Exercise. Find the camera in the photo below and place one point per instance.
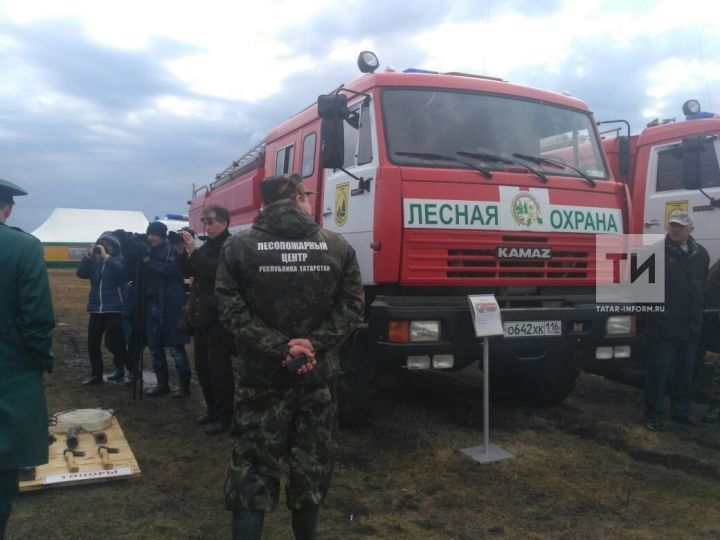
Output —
(134, 247)
(174, 237)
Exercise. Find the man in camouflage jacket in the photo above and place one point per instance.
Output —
(285, 287)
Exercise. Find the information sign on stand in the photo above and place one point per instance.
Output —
(487, 322)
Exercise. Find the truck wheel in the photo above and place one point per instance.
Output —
(358, 384)
(545, 381)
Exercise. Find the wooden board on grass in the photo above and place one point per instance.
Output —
(55, 473)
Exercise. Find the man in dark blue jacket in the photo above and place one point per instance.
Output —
(674, 334)
(164, 300)
(103, 265)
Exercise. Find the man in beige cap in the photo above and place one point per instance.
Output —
(674, 334)
(26, 316)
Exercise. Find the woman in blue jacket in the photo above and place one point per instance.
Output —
(103, 266)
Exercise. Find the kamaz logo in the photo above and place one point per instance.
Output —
(523, 253)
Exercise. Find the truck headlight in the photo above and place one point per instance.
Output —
(424, 330)
(619, 325)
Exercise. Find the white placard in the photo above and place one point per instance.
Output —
(485, 315)
(87, 475)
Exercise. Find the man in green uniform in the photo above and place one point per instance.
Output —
(285, 288)
(26, 323)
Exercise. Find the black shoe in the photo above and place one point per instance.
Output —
(158, 390)
(116, 375)
(687, 420)
(654, 424)
(217, 427)
(204, 419)
(95, 379)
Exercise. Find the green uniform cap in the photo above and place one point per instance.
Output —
(8, 190)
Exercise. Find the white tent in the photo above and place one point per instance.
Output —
(82, 226)
(67, 233)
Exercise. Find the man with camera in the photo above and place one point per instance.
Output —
(213, 343)
(26, 325)
(164, 299)
(288, 320)
(104, 266)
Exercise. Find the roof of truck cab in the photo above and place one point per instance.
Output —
(678, 130)
(430, 80)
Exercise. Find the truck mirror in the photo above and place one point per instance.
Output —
(624, 156)
(332, 106)
(332, 143)
(692, 146)
(333, 111)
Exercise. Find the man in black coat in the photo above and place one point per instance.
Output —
(675, 333)
(164, 300)
(711, 340)
(213, 342)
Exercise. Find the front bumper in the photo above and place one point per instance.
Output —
(583, 330)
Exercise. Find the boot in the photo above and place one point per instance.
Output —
(247, 524)
(183, 388)
(162, 386)
(304, 522)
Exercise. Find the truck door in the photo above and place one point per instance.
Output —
(348, 203)
(665, 193)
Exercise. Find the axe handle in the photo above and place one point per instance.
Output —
(105, 458)
(70, 459)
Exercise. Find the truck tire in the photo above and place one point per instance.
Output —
(358, 384)
(540, 382)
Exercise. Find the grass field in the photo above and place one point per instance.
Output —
(583, 469)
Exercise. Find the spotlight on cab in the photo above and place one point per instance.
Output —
(368, 62)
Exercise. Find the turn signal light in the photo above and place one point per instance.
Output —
(399, 331)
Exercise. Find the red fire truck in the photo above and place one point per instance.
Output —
(450, 184)
(668, 166)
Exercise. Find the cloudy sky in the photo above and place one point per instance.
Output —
(123, 105)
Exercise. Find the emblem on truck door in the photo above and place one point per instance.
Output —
(526, 210)
(342, 198)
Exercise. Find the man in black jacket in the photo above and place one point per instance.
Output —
(674, 334)
(711, 335)
(213, 343)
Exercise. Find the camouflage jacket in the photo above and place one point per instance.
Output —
(287, 278)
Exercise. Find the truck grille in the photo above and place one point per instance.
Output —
(471, 260)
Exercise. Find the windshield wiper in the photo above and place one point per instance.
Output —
(429, 156)
(559, 164)
(502, 158)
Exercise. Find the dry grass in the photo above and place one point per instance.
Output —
(585, 469)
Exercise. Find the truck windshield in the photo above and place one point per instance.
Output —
(446, 122)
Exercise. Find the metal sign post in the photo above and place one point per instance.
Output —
(487, 322)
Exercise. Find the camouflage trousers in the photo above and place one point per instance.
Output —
(274, 428)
